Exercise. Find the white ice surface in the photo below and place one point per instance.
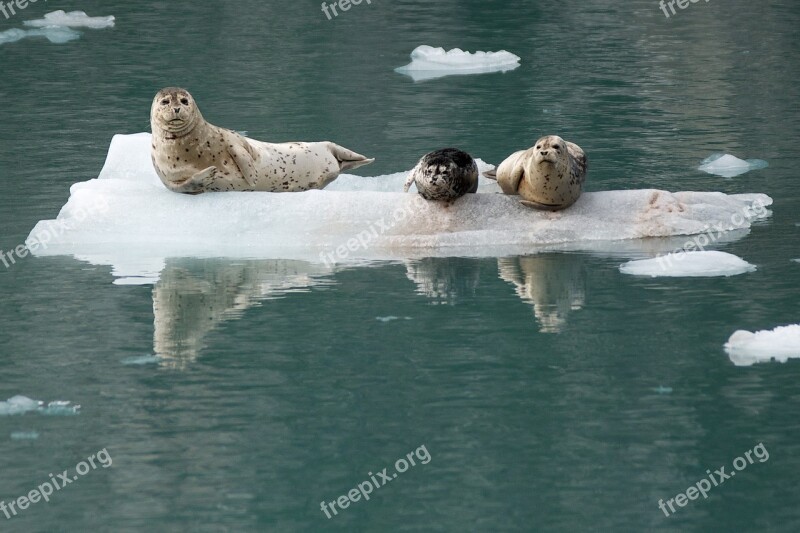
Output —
(746, 348)
(54, 35)
(18, 405)
(689, 264)
(729, 166)
(126, 218)
(73, 19)
(428, 62)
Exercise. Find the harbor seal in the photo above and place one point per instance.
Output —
(192, 156)
(549, 176)
(444, 175)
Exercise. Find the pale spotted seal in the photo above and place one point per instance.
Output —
(192, 156)
(444, 175)
(549, 176)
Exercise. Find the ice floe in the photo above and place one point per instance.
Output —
(141, 360)
(54, 35)
(689, 264)
(126, 218)
(729, 166)
(56, 27)
(746, 348)
(18, 405)
(428, 62)
(73, 19)
(24, 435)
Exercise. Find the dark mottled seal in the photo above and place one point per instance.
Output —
(192, 156)
(444, 175)
(549, 176)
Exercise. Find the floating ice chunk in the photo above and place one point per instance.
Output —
(54, 35)
(128, 219)
(689, 264)
(18, 405)
(781, 344)
(392, 318)
(24, 435)
(73, 19)
(141, 360)
(60, 408)
(428, 62)
(729, 166)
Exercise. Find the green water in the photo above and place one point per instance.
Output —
(284, 386)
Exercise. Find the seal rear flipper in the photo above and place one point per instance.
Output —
(348, 159)
(491, 174)
(542, 207)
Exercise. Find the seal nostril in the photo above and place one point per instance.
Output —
(177, 110)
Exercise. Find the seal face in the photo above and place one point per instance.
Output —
(549, 176)
(193, 156)
(444, 175)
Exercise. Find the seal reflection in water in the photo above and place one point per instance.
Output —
(195, 296)
(554, 284)
(192, 156)
(444, 175)
(549, 176)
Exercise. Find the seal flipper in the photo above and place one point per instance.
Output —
(491, 174)
(243, 158)
(348, 159)
(542, 207)
(412, 177)
(195, 184)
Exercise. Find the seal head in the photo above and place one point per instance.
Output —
(175, 112)
(444, 175)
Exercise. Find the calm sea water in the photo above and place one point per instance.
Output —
(551, 392)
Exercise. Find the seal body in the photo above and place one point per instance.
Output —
(549, 176)
(192, 156)
(444, 175)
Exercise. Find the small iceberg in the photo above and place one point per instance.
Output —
(141, 360)
(18, 405)
(24, 435)
(428, 63)
(746, 348)
(128, 219)
(385, 319)
(689, 264)
(54, 35)
(73, 19)
(729, 166)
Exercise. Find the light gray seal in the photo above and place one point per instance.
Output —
(549, 176)
(444, 175)
(192, 156)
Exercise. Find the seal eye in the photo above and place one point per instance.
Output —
(185, 101)
(556, 147)
(539, 147)
(165, 101)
